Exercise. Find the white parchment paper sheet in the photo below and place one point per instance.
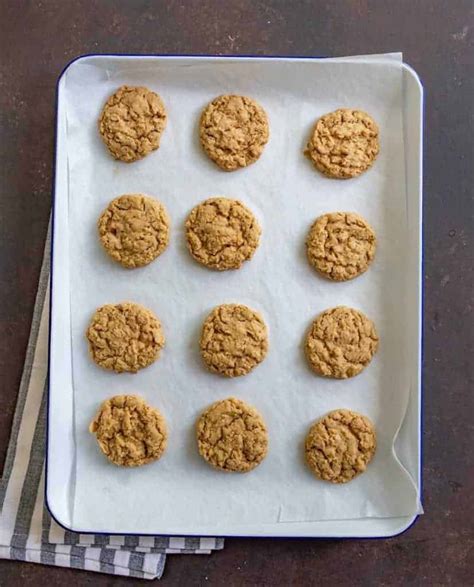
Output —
(286, 193)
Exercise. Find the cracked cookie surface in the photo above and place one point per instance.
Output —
(340, 245)
(232, 436)
(339, 446)
(124, 337)
(341, 343)
(129, 432)
(233, 131)
(234, 340)
(132, 122)
(134, 229)
(222, 233)
(344, 143)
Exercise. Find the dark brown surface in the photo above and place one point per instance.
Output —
(38, 38)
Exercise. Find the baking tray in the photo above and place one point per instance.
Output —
(62, 412)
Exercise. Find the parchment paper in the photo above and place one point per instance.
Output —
(286, 193)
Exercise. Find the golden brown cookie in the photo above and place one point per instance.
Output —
(129, 432)
(233, 131)
(124, 337)
(132, 122)
(232, 436)
(134, 229)
(344, 143)
(341, 343)
(234, 340)
(340, 245)
(222, 233)
(340, 446)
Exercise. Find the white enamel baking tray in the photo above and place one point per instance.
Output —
(61, 434)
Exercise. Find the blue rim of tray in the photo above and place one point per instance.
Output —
(421, 303)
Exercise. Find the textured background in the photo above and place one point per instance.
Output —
(38, 38)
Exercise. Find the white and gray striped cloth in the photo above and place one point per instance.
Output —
(27, 531)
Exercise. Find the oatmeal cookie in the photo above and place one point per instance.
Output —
(341, 343)
(134, 229)
(232, 436)
(233, 131)
(124, 337)
(129, 432)
(344, 143)
(132, 122)
(222, 233)
(234, 340)
(340, 245)
(340, 446)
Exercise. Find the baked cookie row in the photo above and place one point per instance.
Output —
(127, 337)
(232, 436)
(234, 130)
(222, 234)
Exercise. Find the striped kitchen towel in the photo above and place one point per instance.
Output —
(27, 531)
